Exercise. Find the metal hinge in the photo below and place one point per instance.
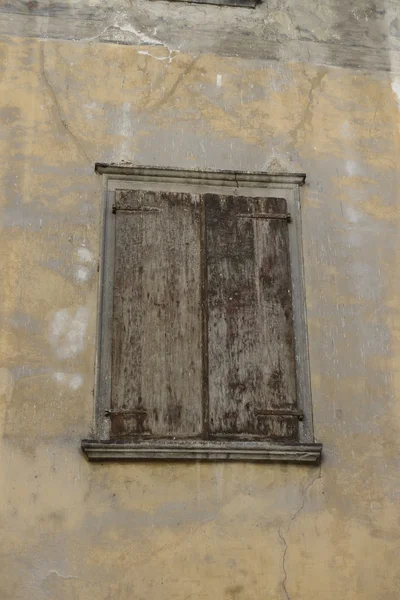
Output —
(282, 216)
(280, 412)
(143, 209)
(134, 412)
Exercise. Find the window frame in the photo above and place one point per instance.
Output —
(224, 183)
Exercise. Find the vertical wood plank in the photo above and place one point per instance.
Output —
(157, 331)
(250, 326)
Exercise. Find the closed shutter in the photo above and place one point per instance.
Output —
(251, 363)
(203, 327)
(157, 324)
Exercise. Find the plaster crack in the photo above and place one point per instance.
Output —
(124, 28)
(285, 548)
(142, 37)
(57, 574)
(96, 37)
(168, 59)
(305, 119)
(56, 103)
(168, 95)
(283, 537)
(304, 495)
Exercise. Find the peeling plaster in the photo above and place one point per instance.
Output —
(82, 274)
(85, 255)
(74, 381)
(396, 88)
(68, 330)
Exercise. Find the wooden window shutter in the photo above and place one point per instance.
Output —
(157, 324)
(251, 362)
(203, 326)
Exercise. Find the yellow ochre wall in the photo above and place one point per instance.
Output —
(73, 530)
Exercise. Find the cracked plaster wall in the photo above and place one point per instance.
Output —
(74, 530)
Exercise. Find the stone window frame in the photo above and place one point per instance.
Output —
(251, 184)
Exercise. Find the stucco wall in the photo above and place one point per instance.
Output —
(73, 530)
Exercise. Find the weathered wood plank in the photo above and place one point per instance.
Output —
(157, 331)
(250, 327)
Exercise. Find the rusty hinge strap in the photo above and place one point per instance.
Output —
(134, 412)
(143, 209)
(282, 216)
(281, 412)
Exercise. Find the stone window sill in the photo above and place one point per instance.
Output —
(184, 450)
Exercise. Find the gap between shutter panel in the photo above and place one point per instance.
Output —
(205, 399)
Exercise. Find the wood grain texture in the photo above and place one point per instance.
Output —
(250, 322)
(157, 330)
(203, 322)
